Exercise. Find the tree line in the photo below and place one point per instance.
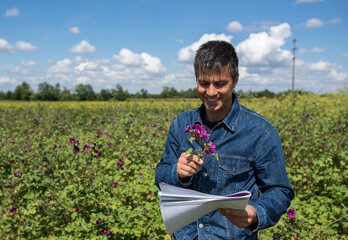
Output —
(81, 92)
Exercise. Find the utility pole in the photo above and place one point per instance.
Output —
(293, 67)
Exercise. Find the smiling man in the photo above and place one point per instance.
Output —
(250, 153)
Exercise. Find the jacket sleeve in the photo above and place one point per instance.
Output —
(166, 168)
(272, 180)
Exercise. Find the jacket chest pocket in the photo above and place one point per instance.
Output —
(234, 165)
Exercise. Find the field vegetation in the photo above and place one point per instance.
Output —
(85, 170)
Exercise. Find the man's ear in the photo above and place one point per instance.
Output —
(235, 81)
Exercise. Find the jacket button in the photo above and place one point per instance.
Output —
(201, 225)
(205, 174)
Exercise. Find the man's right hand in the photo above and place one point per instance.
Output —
(188, 165)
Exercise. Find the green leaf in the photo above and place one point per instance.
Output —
(189, 151)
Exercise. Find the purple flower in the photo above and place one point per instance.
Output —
(211, 149)
(76, 149)
(291, 213)
(115, 184)
(99, 221)
(293, 132)
(105, 231)
(200, 132)
(144, 210)
(59, 124)
(149, 194)
(119, 164)
(37, 117)
(72, 140)
(121, 108)
(86, 148)
(14, 210)
(141, 175)
(188, 128)
(301, 143)
(16, 174)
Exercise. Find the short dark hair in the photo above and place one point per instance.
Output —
(215, 55)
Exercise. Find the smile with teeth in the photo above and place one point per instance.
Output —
(212, 99)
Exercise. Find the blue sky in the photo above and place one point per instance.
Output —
(151, 43)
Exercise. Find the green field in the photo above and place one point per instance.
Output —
(85, 170)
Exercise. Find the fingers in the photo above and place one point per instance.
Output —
(240, 218)
(188, 165)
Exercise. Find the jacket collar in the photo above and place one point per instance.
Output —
(230, 120)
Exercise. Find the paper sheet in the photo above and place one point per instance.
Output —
(180, 206)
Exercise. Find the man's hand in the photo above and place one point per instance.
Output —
(240, 218)
(188, 165)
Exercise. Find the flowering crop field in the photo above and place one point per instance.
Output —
(85, 170)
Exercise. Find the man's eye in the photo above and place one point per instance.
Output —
(220, 84)
(203, 83)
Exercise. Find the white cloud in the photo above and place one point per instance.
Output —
(334, 21)
(313, 50)
(345, 54)
(127, 57)
(187, 54)
(83, 47)
(61, 66)
(265, 48)
(13, 12)
(74, 30)
(234, 26)
(152, 64)
(87, 66)
(308, 1)
(144, 61)
(25, 46)
(5, 47)
(317, 50)
(302, 50)
(314, 23)
(28, 63)
(6, 79)
(320, 66)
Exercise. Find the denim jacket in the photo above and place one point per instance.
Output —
(251, 158)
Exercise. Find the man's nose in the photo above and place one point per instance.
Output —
(211, 91)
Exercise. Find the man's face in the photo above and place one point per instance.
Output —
(215, 91)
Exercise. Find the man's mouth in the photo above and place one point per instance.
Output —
(212, 99)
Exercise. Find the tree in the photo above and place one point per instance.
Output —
(105, 95)
(265, 93)
(65, 95)
(23, 92)
(119, 93)
(144, 93)
(2, 95)
(84, 92)
(48, 92)
(169, 92)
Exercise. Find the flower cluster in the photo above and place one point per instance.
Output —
(291, 213)
(199, 134)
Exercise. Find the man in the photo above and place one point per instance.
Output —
(250, 154)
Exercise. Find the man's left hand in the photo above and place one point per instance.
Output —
(240, 218)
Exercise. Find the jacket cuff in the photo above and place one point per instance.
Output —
(261, 218)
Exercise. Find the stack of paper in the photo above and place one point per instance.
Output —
(180, 206)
